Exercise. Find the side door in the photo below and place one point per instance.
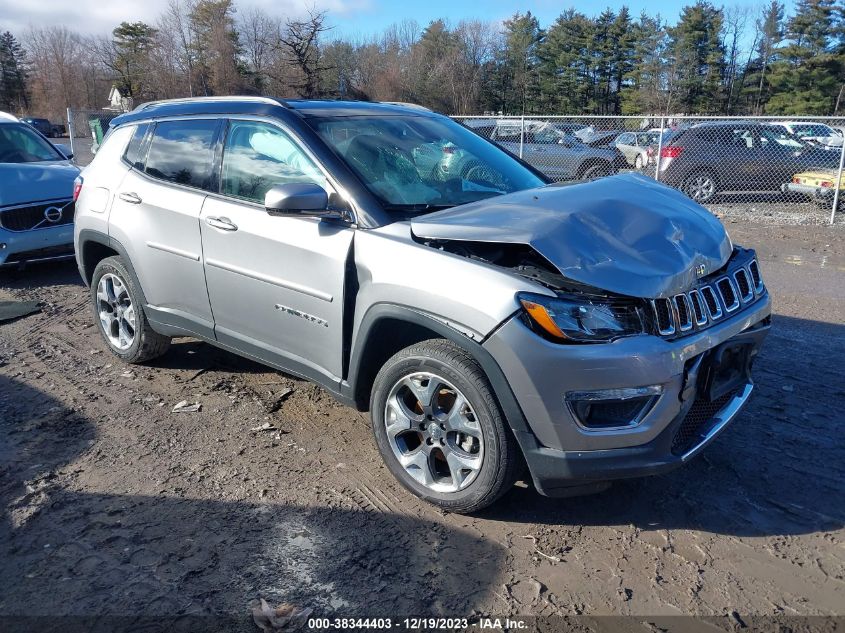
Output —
(739, 158)
(276, 283)
(156, 217)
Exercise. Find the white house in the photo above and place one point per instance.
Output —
(118, 101)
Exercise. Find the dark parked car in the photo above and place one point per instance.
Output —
(42, 125)
(711, 158)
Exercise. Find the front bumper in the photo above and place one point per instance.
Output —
(561, 453)
(43, 244)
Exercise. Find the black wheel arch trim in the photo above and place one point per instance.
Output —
(388, 311)
(87, 236)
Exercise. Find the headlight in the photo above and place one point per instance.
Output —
(578, 319)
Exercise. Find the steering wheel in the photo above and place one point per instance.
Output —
(12, 155)
(480, 173)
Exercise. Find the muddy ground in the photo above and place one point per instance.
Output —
(114, 505)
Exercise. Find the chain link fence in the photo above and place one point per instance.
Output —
(789, 167)
(86, 129)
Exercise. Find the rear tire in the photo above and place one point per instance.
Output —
(440, 429)
(119, 314)
(700, 186)
(638, 162)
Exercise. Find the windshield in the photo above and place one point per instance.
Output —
(420, 163)
(21, 144)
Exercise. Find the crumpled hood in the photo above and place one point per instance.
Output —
(29, 182)
(626, 234)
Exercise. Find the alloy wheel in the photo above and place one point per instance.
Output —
(700, 187)
(433, 432)
(116, 312)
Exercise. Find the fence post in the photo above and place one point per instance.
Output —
(837, 184)
(659, 150)
(521, 134)
(70, 129)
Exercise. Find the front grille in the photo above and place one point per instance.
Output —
(34, 216)
(737, 285)
(695, 422)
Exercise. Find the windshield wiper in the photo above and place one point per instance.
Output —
(417, 208)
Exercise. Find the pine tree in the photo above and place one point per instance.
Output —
(808, 74)
(697, 60)
(13, 89)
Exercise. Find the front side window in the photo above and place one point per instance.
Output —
(19, 143)
(777, 135)
(415, 164)
(182, 152)
(258, 156)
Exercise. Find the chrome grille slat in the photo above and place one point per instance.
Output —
(728, 294)
(711, 302)
(743, 285)
(683, 311)
(754, 271)
(699, 311)
(664, 317)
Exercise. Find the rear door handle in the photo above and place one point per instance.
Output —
(224, 224)
(130, 197)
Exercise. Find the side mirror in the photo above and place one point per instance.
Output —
(64, 150)
(301, 199)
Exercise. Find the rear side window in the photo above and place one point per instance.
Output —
(182, 152)
(134, 151)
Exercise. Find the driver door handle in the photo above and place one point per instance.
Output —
(130, 197)
(224, 224)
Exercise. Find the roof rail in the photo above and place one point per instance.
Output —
(252, 98)
(407, 105)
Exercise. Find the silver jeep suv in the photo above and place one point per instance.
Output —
(488, 320)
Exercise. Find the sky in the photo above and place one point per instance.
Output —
(348, 17)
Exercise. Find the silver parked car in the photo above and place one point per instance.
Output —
(556, 154)
(637, 147)
(488, 320)
(36, 196)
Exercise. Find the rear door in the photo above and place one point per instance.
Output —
(156, 214)
(276, 283)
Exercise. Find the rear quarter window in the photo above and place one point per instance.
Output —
(112, 146)
(135, 150)
(182, 152)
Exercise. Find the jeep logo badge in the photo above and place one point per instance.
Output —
(700, 270)
(52, 214)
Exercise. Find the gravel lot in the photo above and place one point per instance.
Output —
(114, 505)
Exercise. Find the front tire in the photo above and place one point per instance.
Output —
(440, 430)
(596, 170)
(119, 313)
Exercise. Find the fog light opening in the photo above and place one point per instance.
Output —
(612, 408)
